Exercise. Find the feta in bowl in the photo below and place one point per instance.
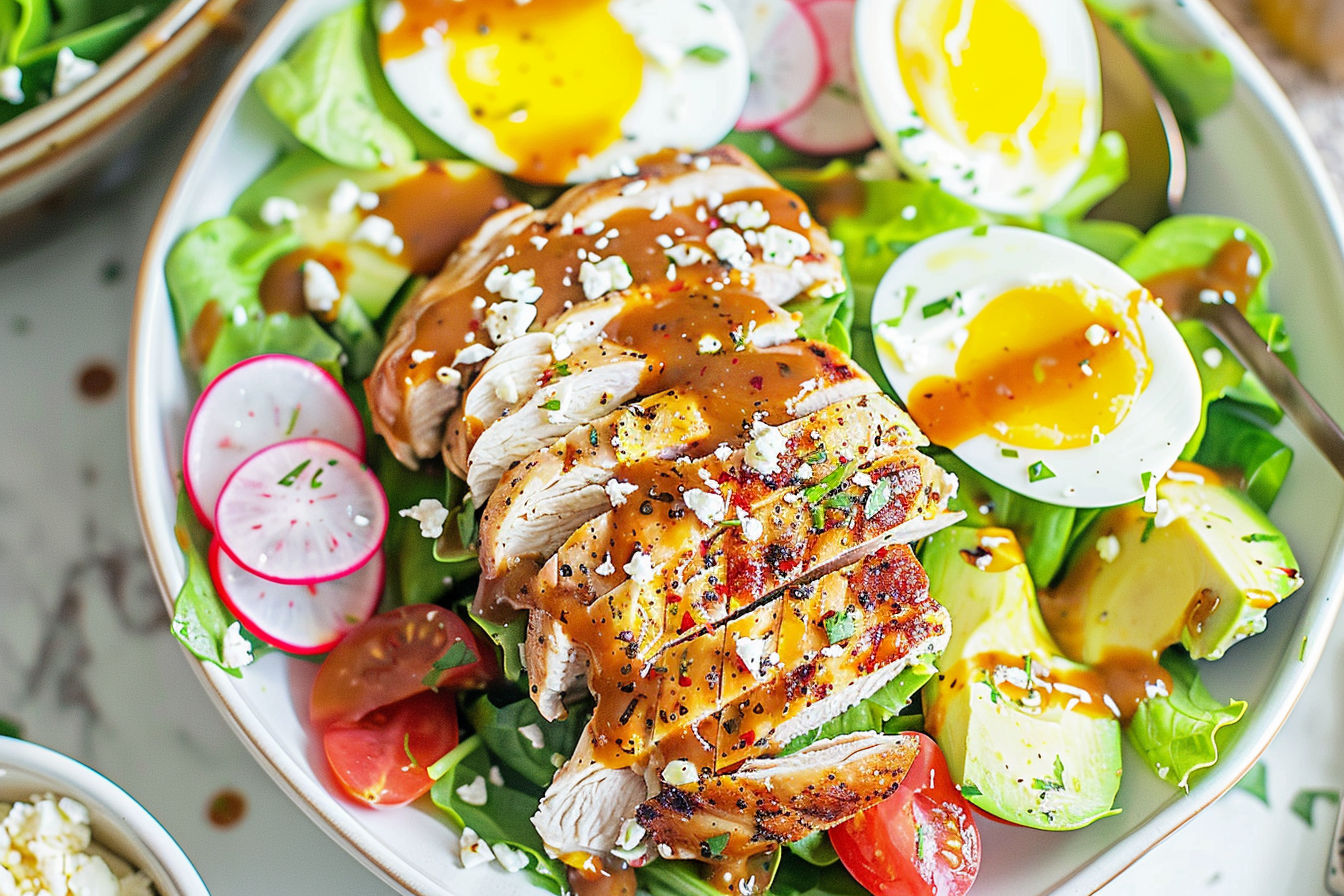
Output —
(60, 818)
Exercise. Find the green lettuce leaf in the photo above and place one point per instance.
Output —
(506, 816)
(870, 714)
(1177, 735)
(798, 878)
(321, 92)
(509, 637)
(498, 727)
(1234, 441)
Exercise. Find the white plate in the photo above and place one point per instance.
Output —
(1254, 162)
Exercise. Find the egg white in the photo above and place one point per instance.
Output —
(987, 180)
(983, 263)
(683, 103)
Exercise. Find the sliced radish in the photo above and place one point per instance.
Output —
(298, 618)
(788, 65)
(255, 403)
(300, 512)
(834, 122)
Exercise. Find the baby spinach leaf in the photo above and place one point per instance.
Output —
(508, 731)
(1236, 442)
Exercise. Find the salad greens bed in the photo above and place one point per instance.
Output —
(48, 45)
(341, 121)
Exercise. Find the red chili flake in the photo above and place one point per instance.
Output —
(758, 382)
(749, 738)
(673, 598)
(546, 376)
(677, 286)
(1288, 571)
(684, 681)
(687, 623)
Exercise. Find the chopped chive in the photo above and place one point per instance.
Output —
(707, 53)
(406, 748)
(980, 230)
(933, 309)
(1145, 479)
(1148, 528)
(1302, 650)
(907, 299)
(552, 405)
(1038, 472)
(818, 518)
(830, 482)
(562, 369)
(921, 842)
(1008, 452)
(969, 789)
(906, 133)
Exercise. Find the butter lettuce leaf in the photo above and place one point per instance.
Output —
(321, 91)
(1177, 735)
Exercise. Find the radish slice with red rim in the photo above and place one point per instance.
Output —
(258, 402)
(784, 51)
(835, 121)
(298, 618)
(302, 511)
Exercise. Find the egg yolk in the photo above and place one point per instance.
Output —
(1043, 366)
(978, 73)
(551, 80)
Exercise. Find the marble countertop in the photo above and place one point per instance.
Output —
(87, 664)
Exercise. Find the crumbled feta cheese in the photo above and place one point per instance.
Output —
(640, 568)
(804, 470)
(320, 289)
(421, 355)
(730, 247)
(472, 850)
(510, 859)
(496, 776)
(515, 286)
(709, 345)
(607, 568)
(723, 452)
(707, 506)
(474, 793)
(1096, 334)
(44, 847)
(1213, 357)
(679, 772)
(685, 255)
(752, 528)
(617, 491)
(276, 210)
(629, 841)
(430, 514)
(634, 187)
(752, 653)
(472, 354)
(1108, 548)
(506, 321)
(376, 231)
(604, 275)
(781, 246)
(71, 71)
(763, 451)
(534, 736)
(1165, 514)
(745, 215)
(982, 561)
(236, 651)
(344, 199)
(11, 84)
(538, 242)
(506, 390)
(449, 376)
(832, 651)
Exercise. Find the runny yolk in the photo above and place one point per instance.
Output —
(551, 80)
(1043, 366)
(977, 70)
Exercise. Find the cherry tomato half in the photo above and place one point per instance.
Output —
(920, 842)
(381, 759)
(387, 658)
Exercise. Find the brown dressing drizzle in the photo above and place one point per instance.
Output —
(96, 381)
(1234, 271)
(281, 287)
(227, 808)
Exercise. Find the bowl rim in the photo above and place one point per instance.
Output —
(40, 134)
(88, 785)
(1251, 75)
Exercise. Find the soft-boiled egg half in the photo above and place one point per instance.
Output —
(1038, 362)
(998, 101)
(562, 91)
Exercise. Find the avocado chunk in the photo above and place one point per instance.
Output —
(1200, 571)
(1029, 735)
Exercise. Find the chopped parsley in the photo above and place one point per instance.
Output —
(878, 498)
(933, 309)
(713, 847)
(1145, 479)
(839, 501)
(457, 655)
(969, 789)
(1055, 783)
(1039, 472)
(1260, 536)
(980, 230)
(1256, 782)
(1148, 528)
(562, 368)
(1306, 799)
(552, 405)
(840, 626)
(817, 457)
(1008, 452)
(707, 53)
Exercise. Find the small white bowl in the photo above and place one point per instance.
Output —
(120, 824)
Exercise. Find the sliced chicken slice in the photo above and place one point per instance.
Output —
(527, 265)
(549, 494)
(769, 802)
(586, 804)
(674, 334)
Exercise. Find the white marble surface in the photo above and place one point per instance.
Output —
(87, 664)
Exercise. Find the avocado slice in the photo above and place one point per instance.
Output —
(1029, 735)
(1201, 571)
